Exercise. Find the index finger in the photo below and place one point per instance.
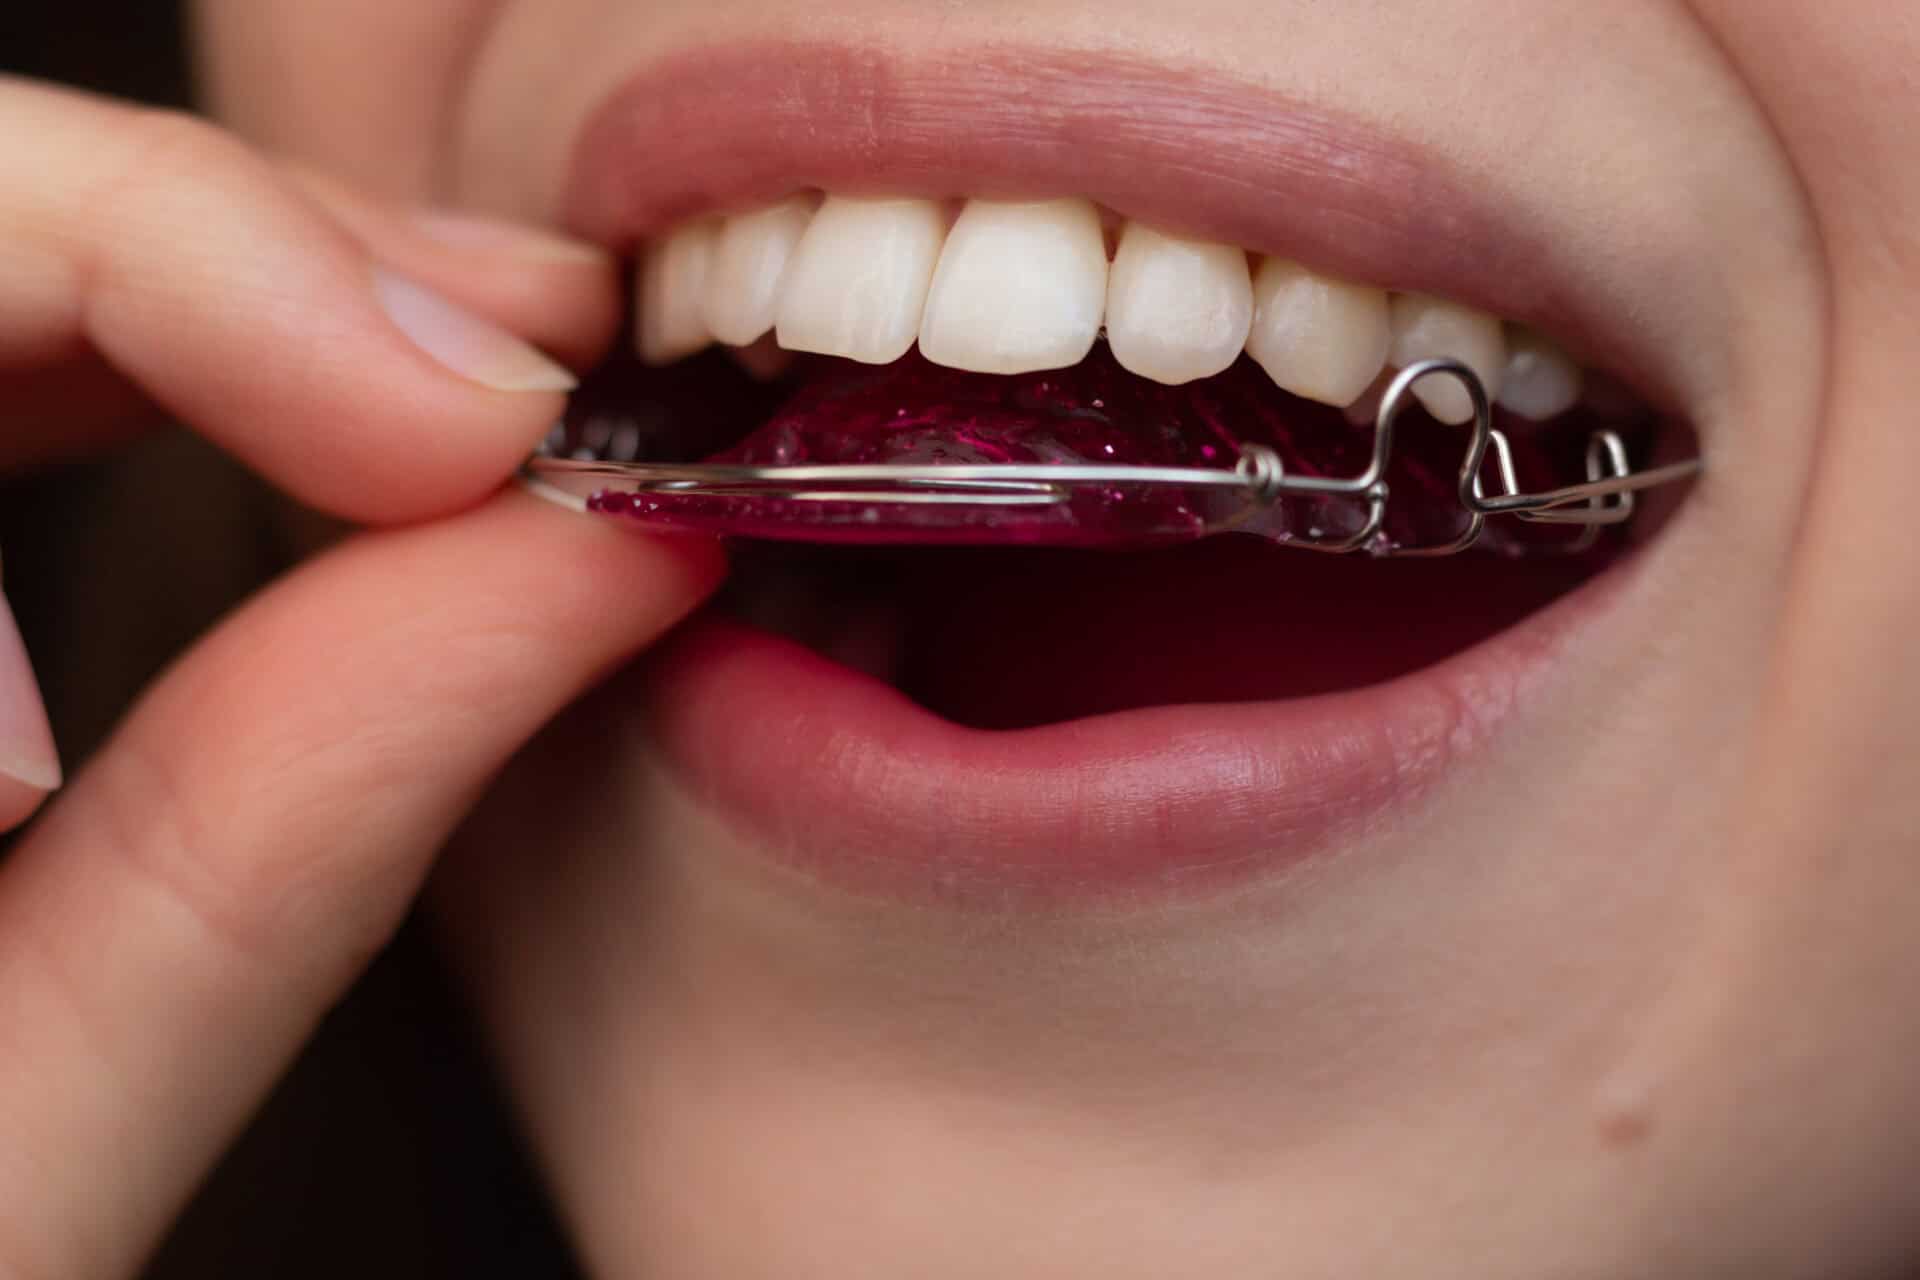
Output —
(191, 267)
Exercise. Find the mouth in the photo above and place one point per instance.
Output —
(1093, 701)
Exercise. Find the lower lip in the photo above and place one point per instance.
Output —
(850, 781)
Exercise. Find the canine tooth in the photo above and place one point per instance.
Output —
(750, 259)
(1177, 309)
(858, 279)
(1020, 287)
(673, 275)
(1427, 328)
(1541, 381)
(1317, 337)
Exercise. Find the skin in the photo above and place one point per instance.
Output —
(1632, 995)
(200, 894)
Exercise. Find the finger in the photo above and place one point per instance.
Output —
(29, 763)
(189, 908)
(568, 303)
(192, 268)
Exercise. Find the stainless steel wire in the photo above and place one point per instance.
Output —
(1605, 497)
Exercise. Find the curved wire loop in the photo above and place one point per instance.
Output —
(1606, 497)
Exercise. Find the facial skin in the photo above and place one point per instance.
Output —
(1633, 993)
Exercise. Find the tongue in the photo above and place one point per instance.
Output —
(915, 412)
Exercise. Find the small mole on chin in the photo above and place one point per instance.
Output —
(1623, 1117)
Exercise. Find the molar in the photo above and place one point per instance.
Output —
(1428, 328)
(1177, 309)
(857, 281)
(670, 291)
(1019, 287)
(1317, 337)
(1541, 380)
(750, 260)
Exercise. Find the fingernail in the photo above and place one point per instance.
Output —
(474, 348)
(512, 239)
(27, 753)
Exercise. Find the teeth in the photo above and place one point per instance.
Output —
(1177, 309)
(1426, 328)
(750, 258)
(1316, 337)
(858, 279)
(1019, 287)
(672, 284)
(1541, 381)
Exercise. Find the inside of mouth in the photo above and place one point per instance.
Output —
(1019, 616)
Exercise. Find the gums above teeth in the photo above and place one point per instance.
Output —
(1018, 287)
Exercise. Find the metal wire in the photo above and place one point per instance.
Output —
(1606, 497)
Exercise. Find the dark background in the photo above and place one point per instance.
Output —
(384, 1153)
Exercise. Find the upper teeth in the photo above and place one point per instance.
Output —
(1432, 329)
(1319, 338)
(673, 286)
(750, 261)
(1010, 287)
(858, 279)
(1176, 309)
(1019, 287)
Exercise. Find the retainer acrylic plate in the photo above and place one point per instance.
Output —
(1081, 504)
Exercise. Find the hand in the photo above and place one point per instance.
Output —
(185, 912)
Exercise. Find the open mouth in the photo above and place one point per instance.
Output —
(1083, 689)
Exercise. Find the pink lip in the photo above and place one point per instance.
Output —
(1161, 142)
(847, 776)
(850, 779)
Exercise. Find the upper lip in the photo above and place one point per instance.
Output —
(1165, 143)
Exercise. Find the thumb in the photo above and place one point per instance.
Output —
(207, 887)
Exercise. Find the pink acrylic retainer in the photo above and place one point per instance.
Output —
(1060, 460)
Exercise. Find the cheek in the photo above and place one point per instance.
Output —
(360, 88)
